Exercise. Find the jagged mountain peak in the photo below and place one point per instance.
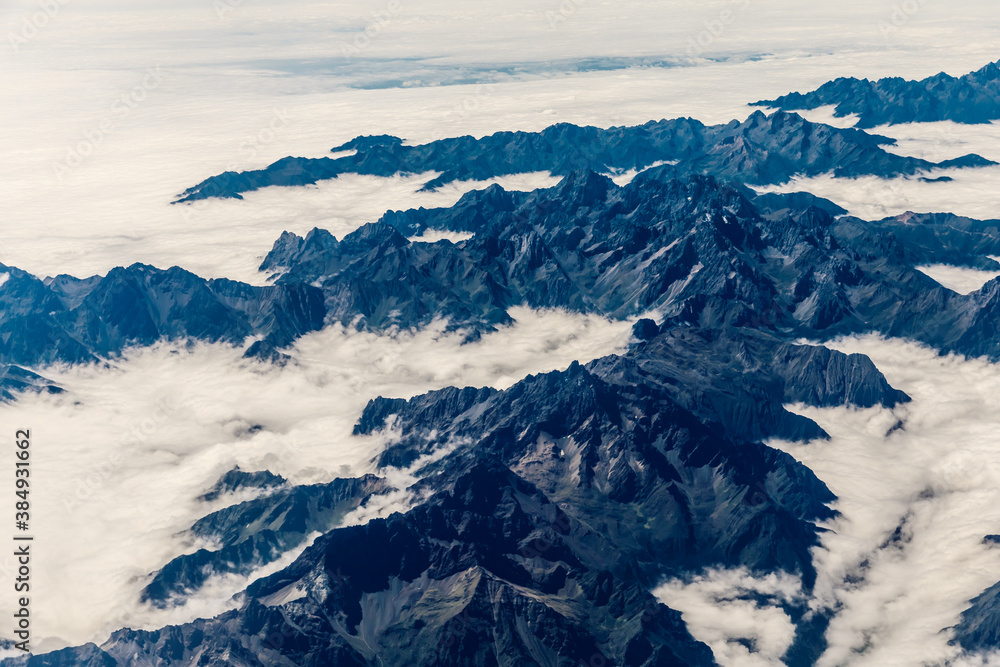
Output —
(763, 149)
(366, 142)
(972, 98)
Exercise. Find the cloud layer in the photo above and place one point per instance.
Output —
(970, 192)
(187, 93)
(958, 279)
(737, 614)
(918, 489)
(121, 457)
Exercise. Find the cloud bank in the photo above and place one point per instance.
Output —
(918, 489)
(736, 614)
(970, 192)
(957, 278)
(121, 457)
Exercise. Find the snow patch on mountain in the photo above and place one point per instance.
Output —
(435, 235)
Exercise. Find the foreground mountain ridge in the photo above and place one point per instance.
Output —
(539, 539)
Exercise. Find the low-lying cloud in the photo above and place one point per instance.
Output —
(121, 457)
(737, 614)
(958, 278)
(223, 238)
(918, 488)
(970, 192)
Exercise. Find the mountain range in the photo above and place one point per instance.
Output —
(695, 249)
(559, 503)
(543, 515)
(761, 150)
(973, 98)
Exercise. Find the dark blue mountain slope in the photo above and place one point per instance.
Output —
(15, 380)
(72, 320)
(972, 98)
(699, 251)
(258, 532)
(760, 150)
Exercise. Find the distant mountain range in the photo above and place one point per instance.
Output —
(972, 98)
(758, 151)
(700, 251)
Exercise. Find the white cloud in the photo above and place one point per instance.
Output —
(826, 116)
(623, 178)
(120, 458)
(944, 140)
(935, 479)
(435, 235)
(218, 238)
(723, 609)
(958, 278)
(988, 660)
(972, 192)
